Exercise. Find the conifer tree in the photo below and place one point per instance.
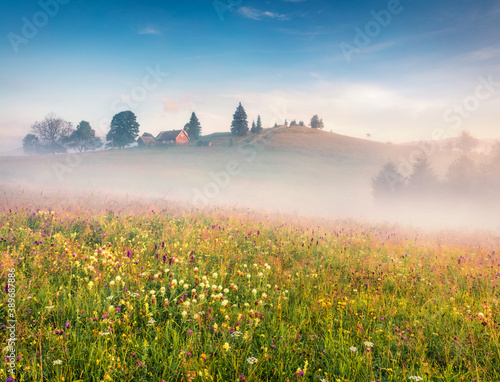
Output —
(239, 126)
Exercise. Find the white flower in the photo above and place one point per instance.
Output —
(49, 307)
(110, 297)
(353, 348)
(202, 285)
(112, 283)
(118, 279)
(254, 291)
(184, 313)
(252, 360)
(214, 275)
(153, 292)
(57, 362)
(104, 334)
(135, 295)
(224, 303)
(368, 344)
(162, 289)
(236, 334)
(226, 290)
(415, 378)
(181, 282)
(151, 321)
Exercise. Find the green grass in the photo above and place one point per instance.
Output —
(195, 297)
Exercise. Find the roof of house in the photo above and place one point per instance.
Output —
(148, 135)
(168, 135)
(147, 139)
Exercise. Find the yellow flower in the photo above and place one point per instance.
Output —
(226, 347)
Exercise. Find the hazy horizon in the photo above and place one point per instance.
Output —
(397, 70)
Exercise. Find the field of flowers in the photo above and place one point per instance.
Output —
(157, 296)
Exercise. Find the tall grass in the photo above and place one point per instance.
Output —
(195, 297)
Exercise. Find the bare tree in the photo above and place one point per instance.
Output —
(53, 132)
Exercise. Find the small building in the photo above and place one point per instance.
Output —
(146, 139)
(173, 137)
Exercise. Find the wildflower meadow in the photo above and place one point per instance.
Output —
(211, 296)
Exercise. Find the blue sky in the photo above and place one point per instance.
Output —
(417, 67)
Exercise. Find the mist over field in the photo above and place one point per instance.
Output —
(298, 171)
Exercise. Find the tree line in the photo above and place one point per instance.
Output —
(465, 178)
(55, 135)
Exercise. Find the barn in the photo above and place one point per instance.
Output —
(173, 137)
(146, 139)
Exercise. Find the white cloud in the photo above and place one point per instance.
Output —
(255, 14)
(483, 54)
(149, 30)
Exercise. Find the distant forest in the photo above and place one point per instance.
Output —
(465, 179)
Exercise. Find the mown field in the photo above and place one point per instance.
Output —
(173, 295)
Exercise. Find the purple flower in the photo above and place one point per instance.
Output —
(118, 309)
(10, 379)
(7, 290)
(189, 332)
(68, 324)
(382, 319)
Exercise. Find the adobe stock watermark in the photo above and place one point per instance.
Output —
(453, 117)
(221, 7)
(137, 94)
(364, 36)
(222, 179)
(10, 289)
(31, 26)
(484, 90)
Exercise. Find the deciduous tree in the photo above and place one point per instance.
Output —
(124, 129)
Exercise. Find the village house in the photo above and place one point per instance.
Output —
(146, 139)
(173, 137)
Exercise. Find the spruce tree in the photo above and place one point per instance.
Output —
(422, 180)
(388, 182)
(258, 127)
(239, 126)
(193, 127)
(253, 130)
